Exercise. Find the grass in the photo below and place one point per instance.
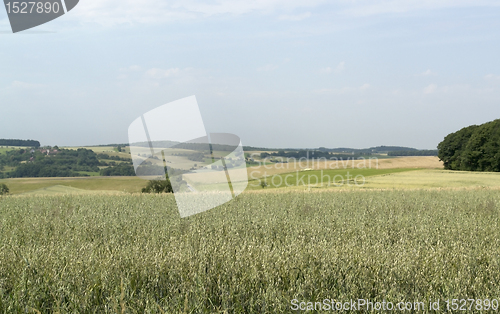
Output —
(96, 149)
(4, 149)
(133, 254)
(319, 178)
(374, 179)
(109, 150)
(115, 161)
(372, 162)
(61, 190)
(425, 179)
(122, 184)
(89, 173)
(7, 169)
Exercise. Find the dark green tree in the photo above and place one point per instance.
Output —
(451, 148)
(474, 148)
(158, 186)
(3, 189)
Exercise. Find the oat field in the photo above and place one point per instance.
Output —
(133, 254)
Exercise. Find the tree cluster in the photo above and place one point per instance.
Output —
(423, 152)
(122, 169)
(158, 186)
(27, 143)
(474, 148)
(108, 157)
(4, 189)
(310, 154)
(60, 163)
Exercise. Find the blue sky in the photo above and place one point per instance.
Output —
(277, 73)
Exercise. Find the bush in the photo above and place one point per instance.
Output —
(3, 189)
(158, 186)
(121, 169)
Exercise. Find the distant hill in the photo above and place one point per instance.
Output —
(386, 149)
(396, 150)
(423, 152)
(23, 143)
(376, 149)
(371, 150)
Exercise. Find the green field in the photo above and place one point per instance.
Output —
(133, 254)
(109, 150)
(120, 184)
(429, 179)
(64, 190)
(398, 178)
(4, 149)
(96, 149)
(321, 178)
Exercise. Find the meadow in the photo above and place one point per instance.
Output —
(4, 149)
(317, 178)
(118, 184)
(255, 254)
(396, 173)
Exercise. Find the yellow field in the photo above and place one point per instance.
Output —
(67, 190)
(434, 179)
(428, 176)
(121, 184)
(109, 150)
(368, 163)
(95, 149)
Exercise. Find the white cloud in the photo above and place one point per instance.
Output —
(339, 68)
(267, 68)
(295, 18)
(124, 72)
(326, 70)
(112, 12)
(335, 91)
(343, 90)
(428, 73)
(24, 88)
(19, 85)
(492, 77)
(369, 7)
(154, 76)
(430, 89)
(134, 68)
(156, 73)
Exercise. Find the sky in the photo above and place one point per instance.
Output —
(277, 73)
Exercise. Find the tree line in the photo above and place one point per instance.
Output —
(423, 152)
(61, 163)
(12, 142)
(311, 154)
(473, 148)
